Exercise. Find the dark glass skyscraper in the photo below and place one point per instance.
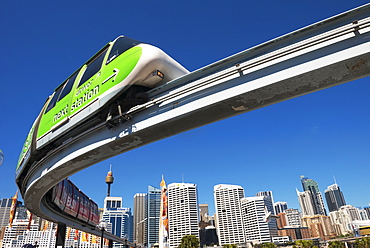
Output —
(312, 186)
(152, 213)
(334, 197)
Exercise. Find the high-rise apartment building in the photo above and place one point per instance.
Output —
(352, 212)
(306, 203)
(317, 200)
(259, 224)
(334, 197)
(293, 217)
(183, 212)
(153, 201)
(120, 220)
(139, 218)
(228, 213)
(18, 235)
(280, 207)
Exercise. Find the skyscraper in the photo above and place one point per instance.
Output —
(139, 218)
(367, 209)
(229, 216)
(183, 212)
(334, 197)
(280, 207)
(120, 220)
(5, 206)
(317, 201)
(259, 224)
(306, 203)
(152, 207)
(266, 193)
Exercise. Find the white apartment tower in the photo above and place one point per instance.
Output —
(306, 203)
(228, 211)
(259, 223)
(183, 214)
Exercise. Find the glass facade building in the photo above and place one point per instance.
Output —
(334, 197)
(153, 199)
(120, 220)
(317, 201)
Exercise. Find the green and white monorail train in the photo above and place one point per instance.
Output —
(113, 80)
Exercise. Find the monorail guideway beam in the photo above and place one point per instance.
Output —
(325, 54)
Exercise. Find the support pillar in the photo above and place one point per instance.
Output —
(61, 235)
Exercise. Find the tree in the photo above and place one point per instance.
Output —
(189, 241)
(304, 243)
(363, 242)
(229, 246)
(336, 244)
(268, 245)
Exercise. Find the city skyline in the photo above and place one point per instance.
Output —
(319, 135)
(293, 204)
(239, 219)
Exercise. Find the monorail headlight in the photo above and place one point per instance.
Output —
(160, 74)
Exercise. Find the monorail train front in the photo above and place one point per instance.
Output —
(153, 68)
(124, 66)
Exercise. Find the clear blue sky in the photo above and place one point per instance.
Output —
(320, 135)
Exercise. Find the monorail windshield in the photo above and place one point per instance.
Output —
(121, 45)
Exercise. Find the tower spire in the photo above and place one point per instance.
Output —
(109, 179)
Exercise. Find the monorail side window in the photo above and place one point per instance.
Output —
(54, 100)
(121, 45)
(92, 67)
(68, 86)
(62, 91)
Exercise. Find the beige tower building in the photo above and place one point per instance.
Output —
(139, 218)
(320, 226)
